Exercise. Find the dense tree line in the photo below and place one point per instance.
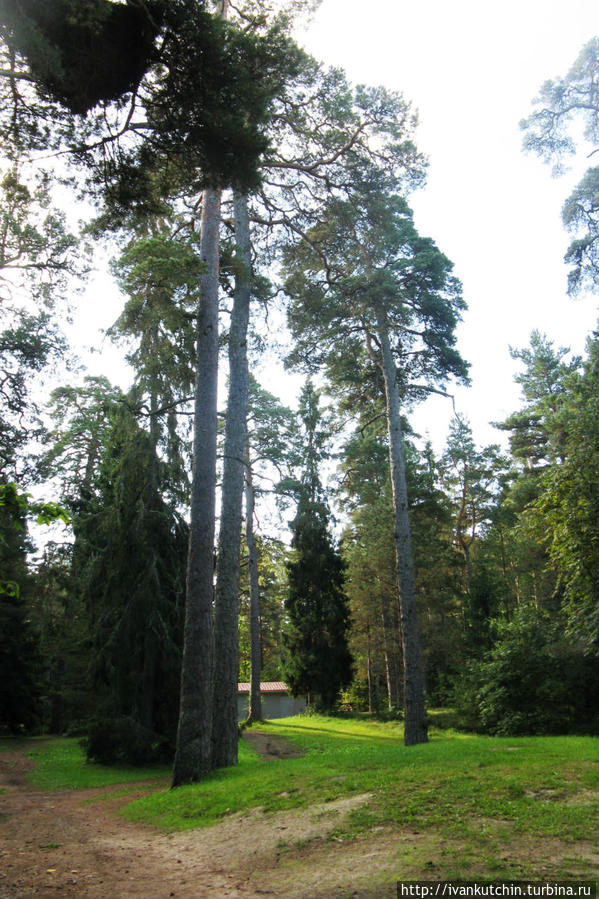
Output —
(269, 185)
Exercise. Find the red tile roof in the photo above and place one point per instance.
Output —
(273, 686)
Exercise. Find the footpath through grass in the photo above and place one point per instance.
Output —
(460, 806)
(60, 764)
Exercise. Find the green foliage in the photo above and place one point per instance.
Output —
(369, 553)
(366, 249)
(550, 508)
(532, 620)
(549, 128)
(272, 574)
(438, 572)
(536, 431)
(204, 88)
(60, 618)
(356, 698)
(273, 443)
(21, 662)
(317, 660)
(160, 274)
(82, 419)
(19, 648)
(567, 510)
(83, 53)
(37, 252)
(213, 95)
(129, 560)
(534, 680)
(125, 741)
(27, 344)
(15, 508)
(37, 263)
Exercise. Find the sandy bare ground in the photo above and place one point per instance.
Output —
(62, 843)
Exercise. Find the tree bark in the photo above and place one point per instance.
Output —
(255, 709)
(391, 642)
(369, 674)
(415, 724)
(193, 756)
(226, 606)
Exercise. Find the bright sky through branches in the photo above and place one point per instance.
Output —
(472, 69)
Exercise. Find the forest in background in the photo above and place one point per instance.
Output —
(265, 182)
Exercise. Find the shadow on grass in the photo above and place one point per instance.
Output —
(329, 733)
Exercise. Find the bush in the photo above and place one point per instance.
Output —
(534, 680)
(118, 741)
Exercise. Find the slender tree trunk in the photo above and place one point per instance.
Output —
(387, 655)
(466, 551)
(397, 656)
(391, 638)
(226, 606)
(376, 687)
(193, 758)
(369, 674)
(255, 710)
(415, 714)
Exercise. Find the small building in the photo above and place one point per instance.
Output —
(276, 701)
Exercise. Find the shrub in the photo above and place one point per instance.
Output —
(534, 680)
(114, 741)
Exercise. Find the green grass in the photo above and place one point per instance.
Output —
(460, 806)
(531, 785)
(61, 764)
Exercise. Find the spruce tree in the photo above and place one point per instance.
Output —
(318, 663)
(19, 649)
(128, 560)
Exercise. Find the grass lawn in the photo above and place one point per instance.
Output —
(60, 764)
(480, 806)
(441, 784)
(460, 806)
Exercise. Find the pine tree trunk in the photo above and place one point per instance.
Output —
(226, 607)
(255, 710)
(369, 674)
(415, 725)
(193, 758)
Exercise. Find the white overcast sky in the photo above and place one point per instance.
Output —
(471, 69)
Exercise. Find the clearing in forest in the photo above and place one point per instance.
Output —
(332, 808)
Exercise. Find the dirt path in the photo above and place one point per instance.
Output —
(72, 843)
(64, 843)
(271, 747)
